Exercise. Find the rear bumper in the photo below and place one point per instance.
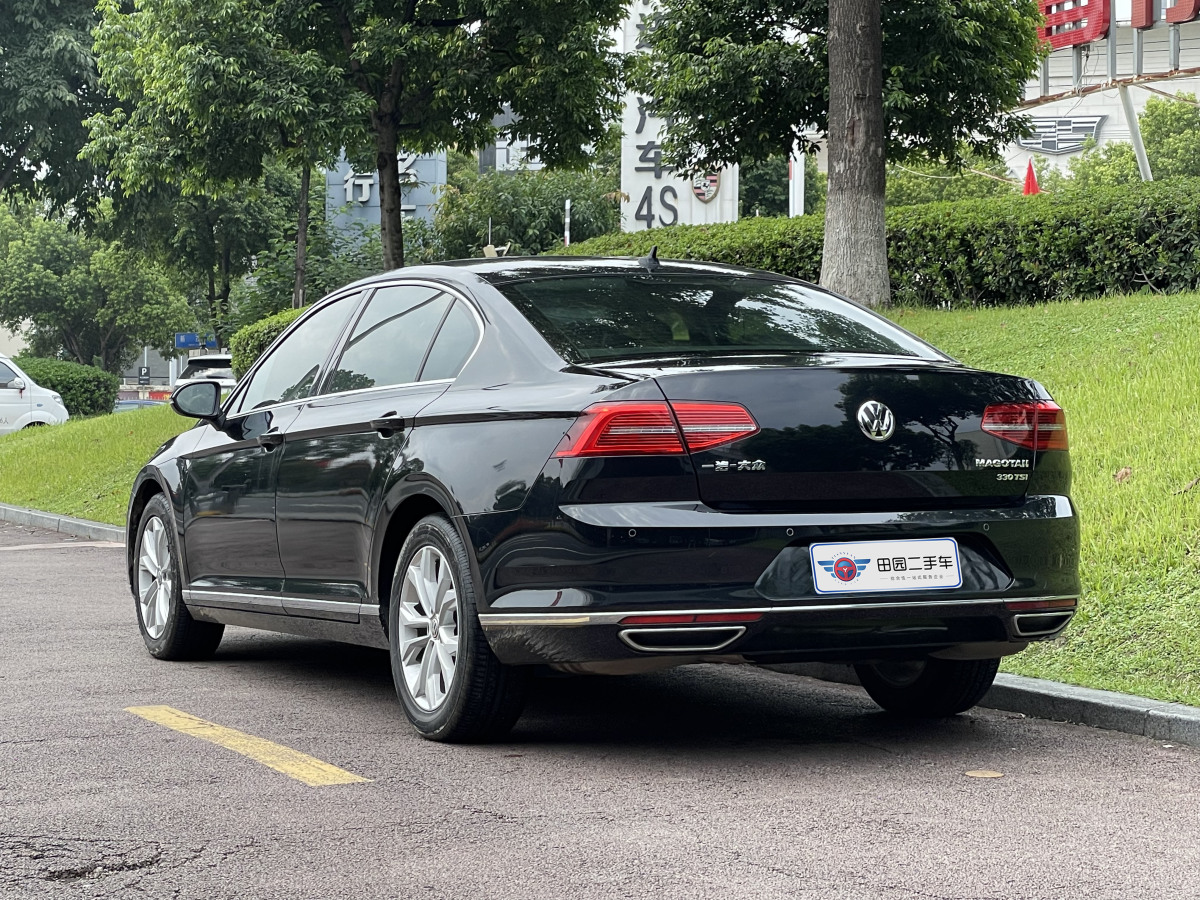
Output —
(859, 632)
(560, 594)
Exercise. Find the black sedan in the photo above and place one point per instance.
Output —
(611, 466)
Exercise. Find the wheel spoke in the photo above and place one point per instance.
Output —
(409, 617)
(422, 679)
(446, 660)
(409, 648)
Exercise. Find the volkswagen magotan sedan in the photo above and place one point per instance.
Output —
(611, 466)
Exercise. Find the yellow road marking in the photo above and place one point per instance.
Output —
(292, 763)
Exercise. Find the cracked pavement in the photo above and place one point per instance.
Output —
(696, 783)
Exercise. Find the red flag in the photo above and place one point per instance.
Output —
(1031, 185)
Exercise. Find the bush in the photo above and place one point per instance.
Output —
(990, 252)
(249, 343)
(85, 390)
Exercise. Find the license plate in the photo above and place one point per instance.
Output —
(919, 565)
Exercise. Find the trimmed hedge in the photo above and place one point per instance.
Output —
(85, 390)
(250, 342)
(990, 252)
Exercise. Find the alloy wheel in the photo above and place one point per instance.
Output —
(428, 615)
(156, 578)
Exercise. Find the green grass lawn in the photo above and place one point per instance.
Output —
(1126, 369)
(85, 467)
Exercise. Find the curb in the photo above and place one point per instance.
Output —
(1042, 699)
(97, 531)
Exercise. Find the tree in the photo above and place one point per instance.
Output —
(526, 210)
(763, 187)
(416, 75)
(48, 86)
(216, 92)
(1171, 134)
(745, 79)
(87, 299)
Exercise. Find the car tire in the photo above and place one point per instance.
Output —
(167, 627)
(449, 682)
(929, 688)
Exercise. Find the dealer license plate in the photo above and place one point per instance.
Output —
(918, 565)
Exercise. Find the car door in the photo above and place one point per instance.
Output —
(342, 447)
(230, 542)
(15, 403)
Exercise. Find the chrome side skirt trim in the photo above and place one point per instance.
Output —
(277, 604)
(497, 620)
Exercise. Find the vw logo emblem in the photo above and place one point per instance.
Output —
(876, 420)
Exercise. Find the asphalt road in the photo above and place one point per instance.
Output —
(705, 782)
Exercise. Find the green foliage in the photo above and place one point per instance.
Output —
(992, 252)
(86, 390)
(742, 80)
(334, 258)
(1171, 135)
(83, 297)
(1108, 360)
(250, 342)
(921, 182)
(763, 187)
(48, 86)
(84, 468)
(526, 210)
(216, 84)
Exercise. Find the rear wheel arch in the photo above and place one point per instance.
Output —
(399, 524)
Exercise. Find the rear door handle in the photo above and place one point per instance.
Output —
(388, 425)
(270, 439)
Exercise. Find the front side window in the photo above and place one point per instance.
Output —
(631, 316)
(294, 366)
(6, 375)
(389, 341)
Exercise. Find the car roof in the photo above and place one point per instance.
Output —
(523, 268)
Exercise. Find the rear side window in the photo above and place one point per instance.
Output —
(388, 343)
(630, 316)
(453, 346)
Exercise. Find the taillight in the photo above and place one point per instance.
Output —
(637, 428)
(1040, 425)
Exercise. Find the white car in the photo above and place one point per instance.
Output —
(210, 367)
(24, 403)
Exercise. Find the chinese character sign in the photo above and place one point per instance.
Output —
(656, 195)
(1072, 23)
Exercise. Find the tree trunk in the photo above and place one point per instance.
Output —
(391, 216)
(301, 237)
(855, 257)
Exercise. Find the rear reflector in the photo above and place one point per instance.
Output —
(1040, 425)
(690, 619)
(641, 428)
(1023, 605)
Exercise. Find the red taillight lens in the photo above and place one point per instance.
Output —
(708, 425)
(1038, 426)
(622, 429)
(639, 428)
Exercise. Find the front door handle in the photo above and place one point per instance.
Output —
(270, 439)
(387, 426)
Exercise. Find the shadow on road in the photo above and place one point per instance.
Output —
(693, 707)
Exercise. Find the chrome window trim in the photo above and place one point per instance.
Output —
(368, 291)
(494, 620)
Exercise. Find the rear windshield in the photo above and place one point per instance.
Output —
(619, 317)
(206, 370)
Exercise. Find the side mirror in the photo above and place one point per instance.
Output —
(17, 384)
(198, 400)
